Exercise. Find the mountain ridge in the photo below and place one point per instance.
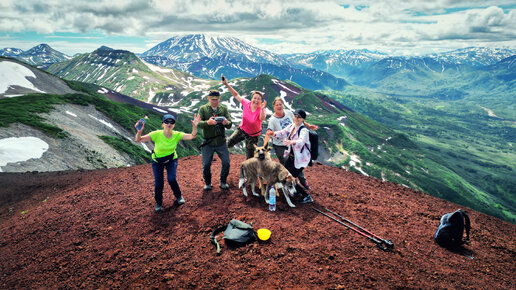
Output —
(98, 228)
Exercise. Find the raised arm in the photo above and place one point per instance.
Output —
(231, 90)
(263, 111)
(195, 122)
(139, 138)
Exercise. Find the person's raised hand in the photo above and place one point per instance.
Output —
(264, 105)
(196, 120)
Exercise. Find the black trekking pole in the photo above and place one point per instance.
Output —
(387, 243)
(378, 243)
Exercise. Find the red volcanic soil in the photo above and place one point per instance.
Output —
(98, 229)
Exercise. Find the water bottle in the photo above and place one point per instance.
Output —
(139, 125)
(272, 199)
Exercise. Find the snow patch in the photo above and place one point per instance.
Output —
(109, 125)
(19, 149)
(102, 91)
(14, 74)
(71, 114)
(160, 110)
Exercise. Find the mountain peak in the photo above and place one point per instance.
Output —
(106, 48)
(193, 47)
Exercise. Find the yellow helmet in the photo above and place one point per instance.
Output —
(263, 234)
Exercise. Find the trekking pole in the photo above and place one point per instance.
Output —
(378, 243)
(387, 243)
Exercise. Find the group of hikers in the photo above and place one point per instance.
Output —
(213, 118)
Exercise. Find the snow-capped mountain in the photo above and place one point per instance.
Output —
(336, 62)
(10, 52)
(196, 46)
(474, 56)
(42, 55)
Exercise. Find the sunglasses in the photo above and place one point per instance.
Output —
(168, 121)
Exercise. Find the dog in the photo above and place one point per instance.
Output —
(249, 170)
(273, 173)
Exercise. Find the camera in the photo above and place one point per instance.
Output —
(220, 119)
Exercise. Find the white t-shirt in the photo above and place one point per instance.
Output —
(277, 124)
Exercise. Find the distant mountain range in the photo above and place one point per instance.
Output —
(211, 56)
(41, 55)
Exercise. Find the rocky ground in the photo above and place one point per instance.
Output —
(99, 229)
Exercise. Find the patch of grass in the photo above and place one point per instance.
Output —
(137, 153)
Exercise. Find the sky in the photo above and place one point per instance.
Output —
(394, 27)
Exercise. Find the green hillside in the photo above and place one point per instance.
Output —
(124, 72)
(476, 149)
(25, 110)
(393, 152)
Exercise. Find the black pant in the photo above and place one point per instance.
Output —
(289, 165)
(280, 150)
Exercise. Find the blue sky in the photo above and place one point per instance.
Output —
(394, 27)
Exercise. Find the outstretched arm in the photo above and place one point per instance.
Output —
(311, 126)
(231, 90)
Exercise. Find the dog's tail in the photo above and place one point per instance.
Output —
(241, 180)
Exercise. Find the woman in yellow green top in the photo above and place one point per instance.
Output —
(164, 155)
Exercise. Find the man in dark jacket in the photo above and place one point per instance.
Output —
(215, 119)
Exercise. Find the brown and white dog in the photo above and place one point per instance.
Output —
(272, 172)
(249, 170)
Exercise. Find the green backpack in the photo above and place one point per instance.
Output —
(236, 234)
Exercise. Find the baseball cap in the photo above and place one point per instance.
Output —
(300, 113)
(214, 94)
(168, 116)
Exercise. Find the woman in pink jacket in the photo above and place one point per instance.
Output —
(297, 156)
(252, 116)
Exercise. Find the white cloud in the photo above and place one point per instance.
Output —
(304, 25)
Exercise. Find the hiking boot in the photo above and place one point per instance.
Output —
(307, 199)
(224, 185)
(181, 201)
(207, 187)
(158, 208)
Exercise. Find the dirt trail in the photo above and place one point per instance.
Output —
(98, 229)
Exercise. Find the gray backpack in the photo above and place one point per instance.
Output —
(236, 234)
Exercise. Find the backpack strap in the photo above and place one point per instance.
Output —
(213, 239)
(299, 130)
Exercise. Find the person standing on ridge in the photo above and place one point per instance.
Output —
(277, 122)
(164, 155)
(215, 119)
(254, 112)
(295, 138)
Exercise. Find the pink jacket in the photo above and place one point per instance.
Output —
(301, 159)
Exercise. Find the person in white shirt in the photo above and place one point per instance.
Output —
(277, 122)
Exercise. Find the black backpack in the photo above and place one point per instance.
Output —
(236, 234)
(451, 230)
(314, 144)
